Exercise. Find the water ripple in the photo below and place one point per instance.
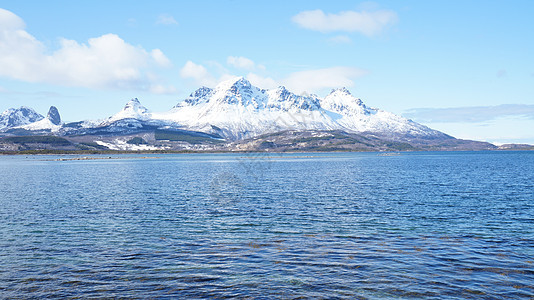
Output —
(345, 226)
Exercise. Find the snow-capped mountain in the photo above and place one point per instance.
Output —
(15, 117)
(133, 117)
(132, 110)
(53, 115)
(234, 116)
(52, 122)
(235, 109)
(355, 116)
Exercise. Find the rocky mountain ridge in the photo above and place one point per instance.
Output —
(15, 117)
(237, 115)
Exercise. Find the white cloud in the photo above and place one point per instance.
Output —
(198, 73)
(103, 62)
(365, 22)
(312, 81)
(10, 21)
(210, 73)
(160, 58)
(166, 19)
(319, 79)
(241, 62)
(262, 82)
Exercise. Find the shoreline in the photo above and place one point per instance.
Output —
(120, 152)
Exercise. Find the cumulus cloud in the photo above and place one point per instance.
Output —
(262, 82)
(244, 63)
(103, 62)
(311, 81)
(318, 79)
(166, 19)
(160, 58)
(473, 114)
(198, 73)
(240, 62)
(364, 22)
(10, 21)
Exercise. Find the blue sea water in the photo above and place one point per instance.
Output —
(451, 225)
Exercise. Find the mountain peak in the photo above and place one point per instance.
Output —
(340, 100)
(53, 115)
(341, 90)
(51, 122)
(200, 95)
(132, 110)
(237, 90)
(201, 92)
(240, 80)
(282, 89)
(14, 117)
(134, 105)
(133, 102)
(235, 84)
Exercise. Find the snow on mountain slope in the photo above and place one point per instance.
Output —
(44, 124)
(132, 110)
(342, 102)
(52, 122)
(15, 117)
(199, 96)
(236, 109)
(357, 117)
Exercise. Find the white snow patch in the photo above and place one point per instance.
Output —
(235, 109)
(132, 110)
(43, 124)
(123, 145)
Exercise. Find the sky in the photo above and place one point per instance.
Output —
(462, 67)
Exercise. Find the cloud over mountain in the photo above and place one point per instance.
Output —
(310, 80)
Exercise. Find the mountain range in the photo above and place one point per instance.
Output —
(235, 115)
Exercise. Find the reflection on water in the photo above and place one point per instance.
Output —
(418, 225)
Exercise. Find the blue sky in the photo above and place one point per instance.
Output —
(463, 67)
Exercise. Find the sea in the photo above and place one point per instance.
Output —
(410, 225)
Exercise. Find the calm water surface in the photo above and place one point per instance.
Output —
(349, 225)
